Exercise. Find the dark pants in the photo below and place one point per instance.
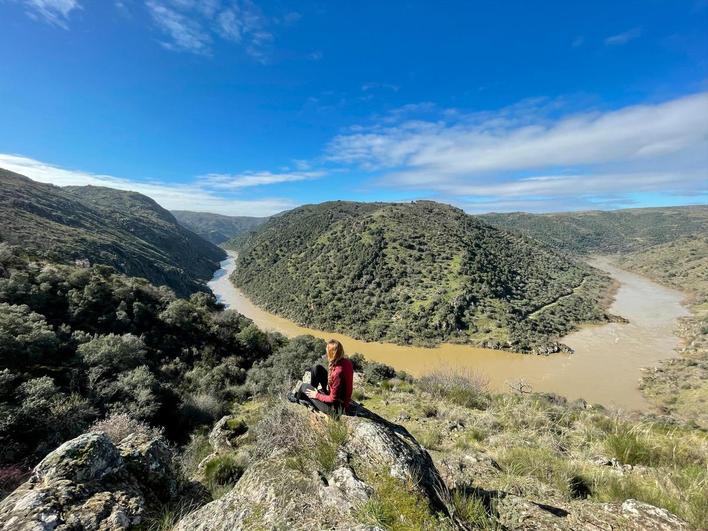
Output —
(318, 377)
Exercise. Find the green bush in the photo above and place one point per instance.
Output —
(224, 470)
(378, 372)
(358, 361)
(278, 372)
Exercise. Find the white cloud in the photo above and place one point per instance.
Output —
(245, 180)
(374, 85)
(662, 145)
(55, 12)
(623, 38)
(191, 196)
(585, 185)
(183, 32)
(194, 25)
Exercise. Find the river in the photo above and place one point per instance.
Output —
(604, 369)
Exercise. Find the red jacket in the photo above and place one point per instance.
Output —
(340, 382)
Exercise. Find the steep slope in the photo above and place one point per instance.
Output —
(214, 227)
(416, 273)
(606, 232)
(126, 230)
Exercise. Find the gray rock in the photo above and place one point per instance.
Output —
(226, 433)
(467, 469)
(150, 461)
(638, 516)
(89, 457)
(275, 494)
(88, 483)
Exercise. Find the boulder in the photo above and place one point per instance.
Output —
(277, 493)
(640, 516)
(227, 432)
(89, 483)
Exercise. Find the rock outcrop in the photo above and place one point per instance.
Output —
(275, 492)
(307, 473)
(89, 483)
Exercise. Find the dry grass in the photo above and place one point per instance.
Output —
(118, 426)
(461, 387)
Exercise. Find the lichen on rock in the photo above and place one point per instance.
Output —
(90, 483)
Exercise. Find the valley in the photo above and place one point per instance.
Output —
(605, 367)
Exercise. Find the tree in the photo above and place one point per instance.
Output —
(25, 337)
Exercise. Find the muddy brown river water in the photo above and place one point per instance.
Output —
(604, 369)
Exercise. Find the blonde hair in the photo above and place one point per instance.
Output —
(335, 351)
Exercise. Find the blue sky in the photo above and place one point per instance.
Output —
(250, 107)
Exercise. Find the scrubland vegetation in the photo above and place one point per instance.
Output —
(417, 273)
(603, 232)
(566, 456)
(125, 230)
(77, 344)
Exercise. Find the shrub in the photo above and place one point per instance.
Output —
(25, 336)
(194, 452)
(224, 470)
(135, 391)
(201, 409)
(395, 505)
(358, 361)
(283, 427)
(472, 511)
(113, 352)
(118, 426)
(463, 388)
(327, 445)
(378, 372)
(279, 371)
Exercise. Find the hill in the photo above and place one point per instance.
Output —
(416, 273)
(125, 230)
(90, 350)
(606, 231)
(216, 228)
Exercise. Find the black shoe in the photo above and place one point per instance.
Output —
(292, 398)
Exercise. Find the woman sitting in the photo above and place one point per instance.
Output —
(335, 384)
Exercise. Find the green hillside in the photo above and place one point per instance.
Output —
(125, 230)
(606, 231)
(216, 228)
(416, 273)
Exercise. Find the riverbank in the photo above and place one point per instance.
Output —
(605, 367)
(679, 387)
